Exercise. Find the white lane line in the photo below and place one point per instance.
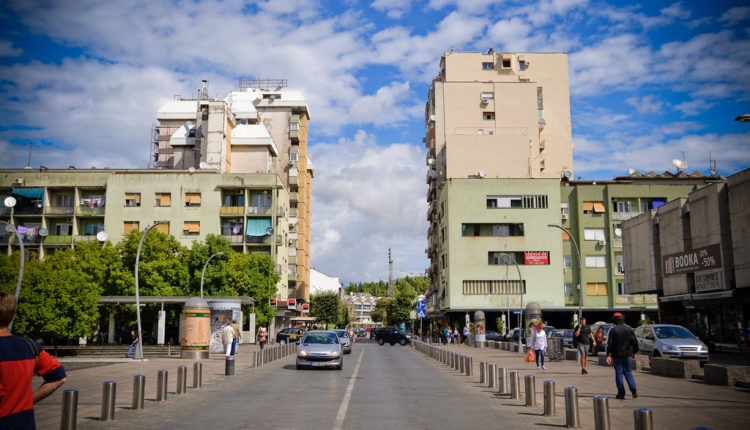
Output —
(348, 396)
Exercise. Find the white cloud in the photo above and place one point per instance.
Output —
(366, 199)
(8, 50)
(393, 8)
(645, 104)
(735, 15)
(612, 64)
(387, 106)
(676, 11)
(693, 107)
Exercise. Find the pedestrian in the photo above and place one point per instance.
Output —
(456, 337)
(621, 348)
(237, 336)
(582, 337)
(262, 335)
(538, 342)
(466, 333)
(133, 339)
(227, 338)
(20, 358)
(445, 335)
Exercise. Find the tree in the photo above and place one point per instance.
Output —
(402, 305)
(162, 268)
(252, 275)
(326, 307)
(380, 313)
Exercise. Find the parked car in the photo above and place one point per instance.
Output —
(513, 335)
(667, 340)
(346, 341)
(391, 335)
(290, 335)
(493, 335)
(361, 333)
(600, 331)
(566, 334)
(320, 349)
(548, 329)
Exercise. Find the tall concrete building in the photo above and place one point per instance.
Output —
(492, 119)
(259, 129)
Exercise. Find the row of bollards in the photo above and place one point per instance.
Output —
(272, 353)
(505, 382)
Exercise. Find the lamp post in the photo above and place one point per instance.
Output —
(139, 346)
(580, 272)
(204, 270)
(509, 258)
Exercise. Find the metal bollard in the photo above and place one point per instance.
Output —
(229, 366)
(572, 417)
(491, 375)
(162, 377)
(644, 420)
(69, 410)
(197, 375)
(462, 364)
(502, 381)
(181, 380)
(109, 393)
(483, 372)
(549, 398)
(469, 366)
(530, 381)
(515, 383)
(601, 413)
(256, 358)
(139, 392)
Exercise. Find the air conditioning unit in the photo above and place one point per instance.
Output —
(18, 181)
(602, 242)
(485, 100)
(564, 216)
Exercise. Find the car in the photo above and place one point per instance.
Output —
(493, 335)
(391, 335)
(513, 335)
(600, 331)
(668, 340)
(566, 334)
(346, 341)
(320, 348)
(361, 333)
(290, 335)
(548, 329)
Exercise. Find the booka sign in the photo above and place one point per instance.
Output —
(706, 258)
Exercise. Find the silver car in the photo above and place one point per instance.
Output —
(666, 340)
(346, 341)
(320, 349)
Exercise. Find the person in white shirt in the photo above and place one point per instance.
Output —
(538, 342)
(227, 336)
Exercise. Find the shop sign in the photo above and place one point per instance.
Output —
(291, 303)
(706, 258)
(708, 281)
(536, 257)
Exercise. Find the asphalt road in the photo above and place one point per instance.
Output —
(380, 387)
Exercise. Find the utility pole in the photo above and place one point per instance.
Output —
(390, 274)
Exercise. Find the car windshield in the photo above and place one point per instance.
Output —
(324, 338)
(672, 332)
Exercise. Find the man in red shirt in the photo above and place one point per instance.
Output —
(20, 358)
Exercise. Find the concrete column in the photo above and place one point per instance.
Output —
(112, 330)
(161, 326)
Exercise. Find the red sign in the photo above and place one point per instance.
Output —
(273, 302)
(291, 303)
(305, 307)
(536, 257)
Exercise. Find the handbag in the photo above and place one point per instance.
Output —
(529, 356)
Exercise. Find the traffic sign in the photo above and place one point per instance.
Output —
(421, 313)
(517, 312)
(412, 315)
(421, 304)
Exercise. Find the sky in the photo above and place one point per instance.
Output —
(649, 83)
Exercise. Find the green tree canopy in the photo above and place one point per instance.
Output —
(402, 305)
(326, 307)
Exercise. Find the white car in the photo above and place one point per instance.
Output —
(320, 349)
(667, 340)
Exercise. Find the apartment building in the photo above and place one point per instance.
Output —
(261, 128)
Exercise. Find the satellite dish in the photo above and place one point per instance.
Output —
(269, 231)
(618, 232)
(191, 169)
(9, 202)
(679, 164)
(567, 174)
(430, 161)
(102, 236)
(482, 173)
(43, 232)
(203, 165)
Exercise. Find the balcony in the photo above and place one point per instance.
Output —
(259, 240)
(85, 210)
(292, 259)
(58, 240)
(4, 211)
(59, 210)
(622, 216)
(231, 210)
(294, 196)
(292, 212)
(86, 238)
(258, 210)
(293, 180)
(294, 134)
(234, 239)
(617, 243)
(292, 274)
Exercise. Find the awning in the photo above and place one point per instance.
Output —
(599, 207)
(31, 193)
(258, 226)
(588, 206)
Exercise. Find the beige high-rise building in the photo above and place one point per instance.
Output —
(261, 128)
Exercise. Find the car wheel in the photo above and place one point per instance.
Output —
(403, 342)
(381, 341)
(656, 354)
(282, 342)
(392, 343)
(340, 366)
(299, 367)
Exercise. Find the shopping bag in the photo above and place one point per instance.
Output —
(529, 356)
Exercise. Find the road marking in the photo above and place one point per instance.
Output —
(348, 396)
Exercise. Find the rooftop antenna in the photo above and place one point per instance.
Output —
(712, 165)
(390, 274)
(28, 163)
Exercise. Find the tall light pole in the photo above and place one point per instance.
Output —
(204, 270)
(510, 258)
(139, 346)
(580, 272)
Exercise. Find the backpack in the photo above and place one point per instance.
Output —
(33, 347)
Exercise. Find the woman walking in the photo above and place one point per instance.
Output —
(538, 342)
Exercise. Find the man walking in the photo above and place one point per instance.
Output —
(133, 342)
(227, 337)
(20, 358)
(621, 348)
(582, 337)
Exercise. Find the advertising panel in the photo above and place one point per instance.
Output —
(536, 257)
(705, 258)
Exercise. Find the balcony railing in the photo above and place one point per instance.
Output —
(617, 243)
(636, 299)
(59, 239)
(292, 211)
(258, 240)
(4, 210)
(234, 239)
(231, 210)
(84, 210)
(86, 238)
(293, 180)
(294, 196)
(292, 259)
(258, 210)
(622, 216)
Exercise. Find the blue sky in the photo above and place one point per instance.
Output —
(82, 81)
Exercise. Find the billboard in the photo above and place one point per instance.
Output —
(536, 257)
(705, 258)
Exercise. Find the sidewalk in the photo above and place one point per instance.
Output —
(675, 403)
(88, 376)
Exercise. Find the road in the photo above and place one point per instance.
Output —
(380, 387)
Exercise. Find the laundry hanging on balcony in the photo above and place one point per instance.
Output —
(258, 226)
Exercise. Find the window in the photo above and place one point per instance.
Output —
(190, 228)
(294, 126)
(488, 115)
(506, 63)
(568, 289)
(521, 65)
(163, 199)
(620, 288)
(64, 200)
(261, 200)
(619, 264)
(129, 226)
(593, 234)
(162, 228)
(596, 288)
(234, 198)
(132, 200)
(94, 228)
(487, 96)
(293, 156)
(63, 229)
(621, 206)
(567, 262)
(488, 66)
(487, 229)
(517, 202)
(593, 208)
(192, 199)
(500, 286)
(564, 210)
(596, 261)
(540, 102)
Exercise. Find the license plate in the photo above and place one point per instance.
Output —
(689, 353)
(318, 364)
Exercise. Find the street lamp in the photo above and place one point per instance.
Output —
(139, 346)
(204, 270)
(510, 258)
(580, 272)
